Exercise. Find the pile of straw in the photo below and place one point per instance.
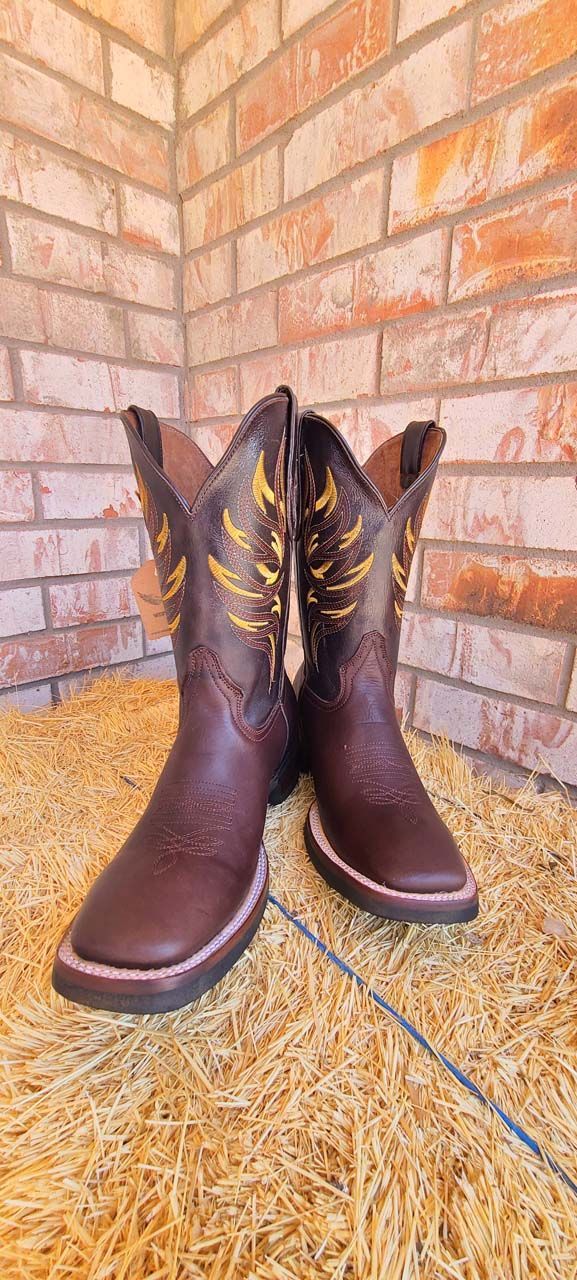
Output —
(285, 1127)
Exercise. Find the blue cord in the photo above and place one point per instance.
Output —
(420, 1039)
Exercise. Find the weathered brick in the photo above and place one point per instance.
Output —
(522, 143)
(39, 657)
(539, 740)
(83, 124)
(84, 324)
(28, 697)
(28, 553)
(403, 690)
(296, 12)
(572, 694)
(371, 424)
(260, 376)
(141, 86)
(519, 38)
(433, 350)
(94, 495)
(268, 100)
(317, 305)
(78, 383)
(213, 440)
(539, 592)
(534, 240)
(339, 370)
(149, 220)
(345, 219)
(156, 338)
(192, 20)
(155, 387)
(414, 15)
(244, 194)
(42, 553)
(21, 609)
(237, 47)
(508, 661)
(48, 34)
(16, 497)
(522, 511)
(208, 277)
(139, 278)
(370, 120)
(530, 424)
(21, 314)
(399, 279)
(248, 325)
(49, 252)
(50, 184)
(92, 600)
(143, 20)
(203, 148)
(27, 435)
(6, 385)
(536, 336)
(215, 393)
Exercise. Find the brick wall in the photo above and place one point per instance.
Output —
(90, 318)
(378, 204)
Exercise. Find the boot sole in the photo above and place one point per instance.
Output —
(102, 986)
(412, 908)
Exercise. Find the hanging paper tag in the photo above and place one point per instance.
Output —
(146, 588)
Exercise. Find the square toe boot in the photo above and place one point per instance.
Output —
(372, 832)
(185, 894)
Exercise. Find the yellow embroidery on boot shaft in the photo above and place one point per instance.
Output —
(400, 570)
(255, 550)
(172, 578)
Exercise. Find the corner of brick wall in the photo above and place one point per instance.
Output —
(379, 203)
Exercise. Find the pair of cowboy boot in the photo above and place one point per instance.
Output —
(183, 898)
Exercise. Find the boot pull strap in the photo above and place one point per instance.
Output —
(149, 431)
(412, 451)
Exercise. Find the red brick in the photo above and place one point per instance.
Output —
(213, 440)
(51, 184)
(260, 376)
(371, 424)
(16, 497)
(79, 383)
(296, 12)
(25, 698)
(26, 435)
(539, 740)
(508, 661)
(139, 278)
(140, 86)
(267, 101)
(203, 148)
(21, 311)
(83, 124)
(83, 324)
(93, 600)
(414, 15)
(522, 143)
(339, 370)
(572, 694)
(94, 494)
(540, 592)
(208, 277)
(232, 330)
(522, 511)
(345, 219)
(399, 279)
(536, 336)
(534, 240)
(155, 387)
(156, 338)
(237, 47)
(192, 20)
(433, 350)
(347, 42)
(149, 220)
(143, 20)
(369, 120)
(404, 681)
(530, 424)
(48, 34)
(40, 657)
(21, 609)
(215, 393)
(317, 305)
(520, 38)
(244, 194)
(6, 386)
(43, 553)
(49, 252)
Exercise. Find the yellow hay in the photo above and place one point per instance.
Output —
(283, 1128)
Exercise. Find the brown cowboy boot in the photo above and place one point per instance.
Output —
(184, 896)
(372, 833)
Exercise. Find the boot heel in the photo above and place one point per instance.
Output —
(286, 777)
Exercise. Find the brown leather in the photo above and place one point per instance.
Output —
(359, 530)
(221, 538)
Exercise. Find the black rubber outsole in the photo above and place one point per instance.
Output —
(389, 910)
